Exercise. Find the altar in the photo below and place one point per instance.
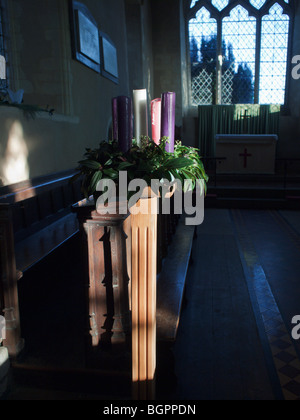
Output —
(246, 154)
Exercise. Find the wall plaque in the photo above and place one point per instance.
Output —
(85, 36)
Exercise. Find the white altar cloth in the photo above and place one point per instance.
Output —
(246, 154)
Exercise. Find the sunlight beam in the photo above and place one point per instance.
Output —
(15, 163)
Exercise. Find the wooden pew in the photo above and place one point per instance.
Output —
(35, 218)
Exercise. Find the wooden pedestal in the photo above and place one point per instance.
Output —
(143, 283)
(107, 284)
(113, 259)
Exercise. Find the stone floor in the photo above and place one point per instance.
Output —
(243, 290)
(234, 340)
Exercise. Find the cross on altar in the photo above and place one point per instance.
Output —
(245, 155)
(238, 148)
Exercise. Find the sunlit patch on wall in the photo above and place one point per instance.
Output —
(15, 166)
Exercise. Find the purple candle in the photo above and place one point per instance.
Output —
(168, 102)
(125, 124)
(115, 118)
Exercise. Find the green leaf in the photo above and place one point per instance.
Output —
(111, 173)
(94, 181)
(124, 165)
(179, 163)
(108, 163)
(91, 164)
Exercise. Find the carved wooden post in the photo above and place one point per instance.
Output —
(108, 298)
(159, 243)
(143, 282)
(9, 302)
(127, 231)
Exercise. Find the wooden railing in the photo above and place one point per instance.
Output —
(31, 213)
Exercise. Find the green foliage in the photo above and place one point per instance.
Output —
(150, 161)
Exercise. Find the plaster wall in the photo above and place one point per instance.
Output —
(42, 64)
(167, 51)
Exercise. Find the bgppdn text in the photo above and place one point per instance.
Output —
(150, 409)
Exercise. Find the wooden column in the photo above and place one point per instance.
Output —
(107, 284)
(143, 283)
(127, 231)
(9, 302)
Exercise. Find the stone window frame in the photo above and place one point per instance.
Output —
(288, 9)
(4, 43)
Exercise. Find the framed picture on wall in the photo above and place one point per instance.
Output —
(85, 36)
(109, 58)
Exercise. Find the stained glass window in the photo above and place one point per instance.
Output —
(226, 67)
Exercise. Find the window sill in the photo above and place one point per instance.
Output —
(35, 114)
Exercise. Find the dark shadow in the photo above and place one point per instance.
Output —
(108, 283)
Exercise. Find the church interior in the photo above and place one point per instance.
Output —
(228, 290)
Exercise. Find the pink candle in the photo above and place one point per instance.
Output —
(156, 120)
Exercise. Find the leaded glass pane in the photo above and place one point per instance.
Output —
(257, 3)
(238, 70)
(274, 50)
(203, 49)
(233, 81)
(220, 4)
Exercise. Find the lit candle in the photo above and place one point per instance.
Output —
(122, 122)
(168, 103)
(156, 120)
(140, 114)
